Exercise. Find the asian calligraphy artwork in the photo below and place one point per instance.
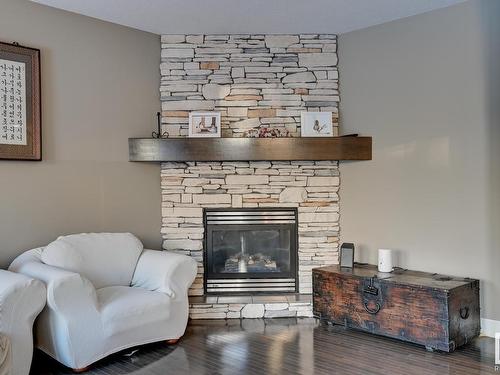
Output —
(20, 122)
(12, 102)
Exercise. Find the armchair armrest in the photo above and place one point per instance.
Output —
(67, 292)
(13, 284)
(70, 326)
(21, 300)
(20, 297)
(165, 272)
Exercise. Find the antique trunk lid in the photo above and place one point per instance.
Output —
(401, 276)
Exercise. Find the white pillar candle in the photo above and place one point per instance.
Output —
(384, 260)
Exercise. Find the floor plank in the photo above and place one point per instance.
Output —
(284, 346)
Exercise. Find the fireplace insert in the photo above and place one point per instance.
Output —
(250, 250)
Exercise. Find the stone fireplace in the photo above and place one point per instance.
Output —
(253, 81)
(308, 186)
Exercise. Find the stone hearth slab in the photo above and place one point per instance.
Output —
(234, 299)
(269, 299)
(243, 307)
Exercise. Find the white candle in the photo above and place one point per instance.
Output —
(385, 260)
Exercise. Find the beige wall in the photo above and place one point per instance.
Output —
(99, 87)
(427, 88)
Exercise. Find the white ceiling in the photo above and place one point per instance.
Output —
(248, 16)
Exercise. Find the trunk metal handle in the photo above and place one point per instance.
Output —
(371, 289)
(464, 312)
(372, 311)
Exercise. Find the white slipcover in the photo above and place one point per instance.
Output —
(84, 322)
(21, 300)
(105, 259)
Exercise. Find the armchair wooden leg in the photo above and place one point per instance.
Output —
(172, 341)
(80, 370)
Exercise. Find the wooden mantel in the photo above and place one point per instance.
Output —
(250, 149)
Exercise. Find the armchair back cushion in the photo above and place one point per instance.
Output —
(106, 259)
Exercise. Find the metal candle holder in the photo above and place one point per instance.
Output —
(159, 134)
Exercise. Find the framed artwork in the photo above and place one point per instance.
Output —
(316, 124)
(204, 124)
(20, 107)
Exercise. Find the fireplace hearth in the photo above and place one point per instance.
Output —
(250, 250)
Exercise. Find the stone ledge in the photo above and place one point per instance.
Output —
(260, 298)
(250, 307)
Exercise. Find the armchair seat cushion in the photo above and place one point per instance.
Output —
(125, 309)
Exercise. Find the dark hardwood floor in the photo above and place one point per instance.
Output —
(285, 346)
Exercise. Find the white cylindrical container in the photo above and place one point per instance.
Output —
(384, 260)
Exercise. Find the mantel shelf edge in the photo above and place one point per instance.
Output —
(249, 149)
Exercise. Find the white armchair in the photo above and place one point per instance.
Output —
(21, 300)
(105, 293)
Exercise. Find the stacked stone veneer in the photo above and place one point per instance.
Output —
(252, 80)
(221, 310)
(187, 188)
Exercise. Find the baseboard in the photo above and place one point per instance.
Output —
(489, 327)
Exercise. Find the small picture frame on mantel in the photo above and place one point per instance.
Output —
(204, 125)
(20, 104)
(316, 124)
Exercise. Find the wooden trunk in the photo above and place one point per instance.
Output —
(437, 311)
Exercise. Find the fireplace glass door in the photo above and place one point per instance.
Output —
(250, 250)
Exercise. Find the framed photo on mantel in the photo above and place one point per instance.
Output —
(316, 124)
(20, 104)
(204, 125)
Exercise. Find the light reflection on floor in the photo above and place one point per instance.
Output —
(284, 346)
